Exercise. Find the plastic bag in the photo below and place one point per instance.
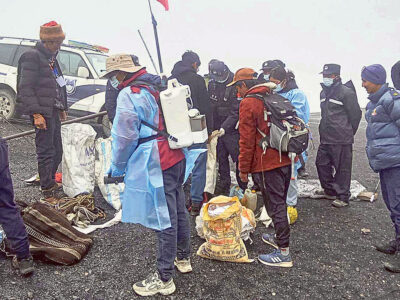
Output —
(78, 158)
(111, 192)
(222, 226)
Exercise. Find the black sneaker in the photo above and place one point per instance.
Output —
(302, 174)
(195, 209)
(387, 248)
(25, 266)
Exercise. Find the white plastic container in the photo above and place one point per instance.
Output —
(175, 111)
(250, 199)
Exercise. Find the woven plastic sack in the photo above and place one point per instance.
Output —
(222, 227)
(78, 158)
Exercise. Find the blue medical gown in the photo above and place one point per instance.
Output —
(300, 103)
(143, 200)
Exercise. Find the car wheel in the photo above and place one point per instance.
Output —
(105, 122)
(7, 104)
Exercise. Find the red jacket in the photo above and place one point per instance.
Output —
(251, 117)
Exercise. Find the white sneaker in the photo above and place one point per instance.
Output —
(153, 285)
(183, 265)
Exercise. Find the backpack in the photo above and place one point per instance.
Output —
(288, 133)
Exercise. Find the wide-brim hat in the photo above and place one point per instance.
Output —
(243, 74)
(120, 62)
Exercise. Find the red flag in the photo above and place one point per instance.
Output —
(164, 3)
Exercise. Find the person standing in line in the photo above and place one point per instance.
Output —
(185, 71)
(340, 118)
(383, 144)
(41, 90)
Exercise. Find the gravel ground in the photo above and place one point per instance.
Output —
(332, 258)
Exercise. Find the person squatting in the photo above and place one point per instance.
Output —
(234, 109)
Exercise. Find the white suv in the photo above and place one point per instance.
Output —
(82, 66)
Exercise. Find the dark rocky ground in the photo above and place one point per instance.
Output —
(332, 258)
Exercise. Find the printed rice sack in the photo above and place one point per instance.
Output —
(222, 228)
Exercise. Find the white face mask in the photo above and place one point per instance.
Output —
(114, 82)
(266, 77)
(327, 81)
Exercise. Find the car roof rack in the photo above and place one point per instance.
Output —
(74, 44)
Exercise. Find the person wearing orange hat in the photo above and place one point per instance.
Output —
(41, 91)
(271, 173)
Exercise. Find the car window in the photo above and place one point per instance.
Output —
(98, 62)
(21, 50)
(7, 53)
(70, 62)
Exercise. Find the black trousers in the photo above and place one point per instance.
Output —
(10, 217)
(228, 145)
(274, 185)
(49, 150)
(334, 163)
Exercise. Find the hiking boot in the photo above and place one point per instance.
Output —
(393, 266)
(387, 248)
(270, 239)
(195, 209)
(153, 285)
(339, 203)
(276, 259)
(320, 194)
(25, 266)
(183, 265)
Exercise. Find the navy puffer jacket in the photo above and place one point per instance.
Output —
(383, 135)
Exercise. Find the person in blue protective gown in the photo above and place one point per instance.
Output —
(287, 88)
(154, 173)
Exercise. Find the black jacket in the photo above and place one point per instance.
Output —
(187, 75)
(37, 89)
(396, 75)
(224, 105)
(340, 113)
(111, 101)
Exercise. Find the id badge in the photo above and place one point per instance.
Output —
(61, 81)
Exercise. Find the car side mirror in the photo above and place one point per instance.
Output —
(83, 72)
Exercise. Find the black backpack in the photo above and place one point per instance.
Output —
(288, 133)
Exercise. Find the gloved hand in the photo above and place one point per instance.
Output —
(221, 132)
(115, 171)
(39, 121)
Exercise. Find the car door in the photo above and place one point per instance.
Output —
(79, 87)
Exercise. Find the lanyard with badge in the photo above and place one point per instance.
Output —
(59, 78)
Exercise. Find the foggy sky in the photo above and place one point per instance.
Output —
(243, 33)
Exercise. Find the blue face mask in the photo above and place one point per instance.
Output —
(266, 77)
(278, 88)
(327, 81)
(114, 82)
(239, 98)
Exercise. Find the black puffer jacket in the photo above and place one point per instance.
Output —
(224, 105)
(185, 74)
(37, 88)
(340, 113)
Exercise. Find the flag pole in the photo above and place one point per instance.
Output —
(148, 52)
(153, 20)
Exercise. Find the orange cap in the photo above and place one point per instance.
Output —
(243, 74)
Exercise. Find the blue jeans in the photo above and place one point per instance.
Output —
(174, 241)
(199, 174)
(390, 185)
(10, 217)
